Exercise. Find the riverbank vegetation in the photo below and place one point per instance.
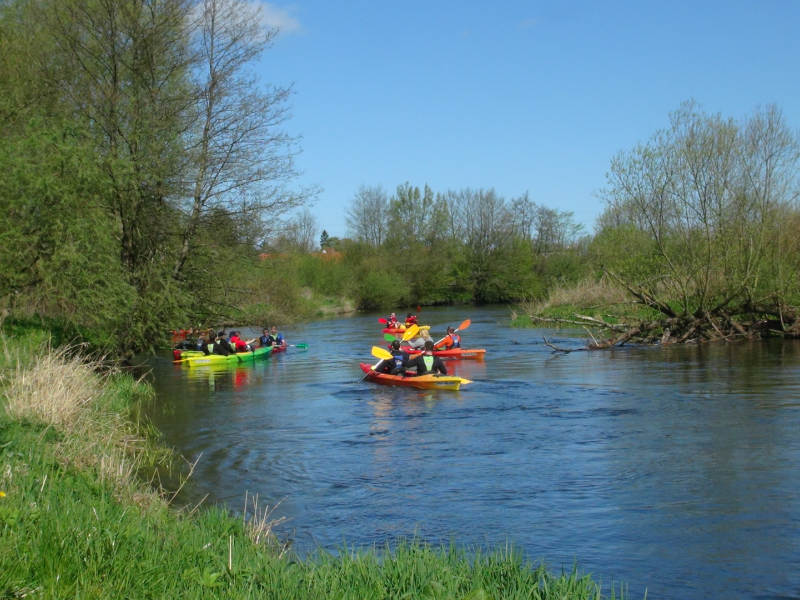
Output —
(142, 161)
(700, 228)
(77, 520)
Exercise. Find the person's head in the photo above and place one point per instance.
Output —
(451, 329)
(221, 334)
(409, 315)
(396, 345)
(274, 330)
(212, 336)
(265, 332)
(423, 333)
(393, 315)
(429, 346)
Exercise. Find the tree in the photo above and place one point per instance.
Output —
(367, 216)
(323, 239)
(299, 233)
(239, 158)
(714, 202)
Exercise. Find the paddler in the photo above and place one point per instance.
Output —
(221, 346)
(391, 322)
(427, 362)
(411, 319)
(276, 339)
(451, 340)
(419, 343)
(207, 346)
(240, 345)
(396, 366)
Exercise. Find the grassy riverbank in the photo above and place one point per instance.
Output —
(590, 297)
(76, 519)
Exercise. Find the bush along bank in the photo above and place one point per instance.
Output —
(77, 521)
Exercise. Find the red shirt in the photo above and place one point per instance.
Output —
(238, 344)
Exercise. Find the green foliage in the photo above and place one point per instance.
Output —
(380, 289)
(704, 214)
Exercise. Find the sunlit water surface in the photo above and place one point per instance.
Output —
(671, 469)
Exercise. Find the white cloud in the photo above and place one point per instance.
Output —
(275, 16)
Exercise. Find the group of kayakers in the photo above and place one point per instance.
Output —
(392, 322)
(425, 362)
(226, 344)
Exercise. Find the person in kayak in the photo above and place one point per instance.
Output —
(263, 340)
(419, 343)
(411, 319)
(391, 322)
(427, 363)
(222, 346)
(451, 340)
(396, 366)
(207, 346)
(275, 338)
(241, 346)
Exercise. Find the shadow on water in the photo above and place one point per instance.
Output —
(675, 469)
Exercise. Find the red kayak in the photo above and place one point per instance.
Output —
(456, 353)
(276, 349)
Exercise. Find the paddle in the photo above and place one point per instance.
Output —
(377, 353)
(463, 325)
(298, 345)
(382, 320)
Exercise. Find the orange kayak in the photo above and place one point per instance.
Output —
(425, 382)
(457, 353)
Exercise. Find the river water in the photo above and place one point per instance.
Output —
(675, 470)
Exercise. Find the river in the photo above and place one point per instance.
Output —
(673, 469)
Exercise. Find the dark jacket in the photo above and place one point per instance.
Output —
(222, 347)
(422, 368)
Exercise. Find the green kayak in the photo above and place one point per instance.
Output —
(239, 357)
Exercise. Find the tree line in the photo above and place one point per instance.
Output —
(464, 245)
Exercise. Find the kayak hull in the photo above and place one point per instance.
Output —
(454, 353)
(423, 382)
(214, 359)
(401, 330)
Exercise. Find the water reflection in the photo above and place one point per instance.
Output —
(673, 468)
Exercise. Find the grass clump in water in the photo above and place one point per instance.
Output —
(76, 521)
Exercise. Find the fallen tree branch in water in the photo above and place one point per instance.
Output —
(564, 350)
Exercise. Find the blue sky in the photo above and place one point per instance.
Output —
(518, 96)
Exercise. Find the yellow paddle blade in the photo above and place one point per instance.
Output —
(381, 353)
(411, 332)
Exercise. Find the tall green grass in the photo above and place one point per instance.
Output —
(75, 522)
